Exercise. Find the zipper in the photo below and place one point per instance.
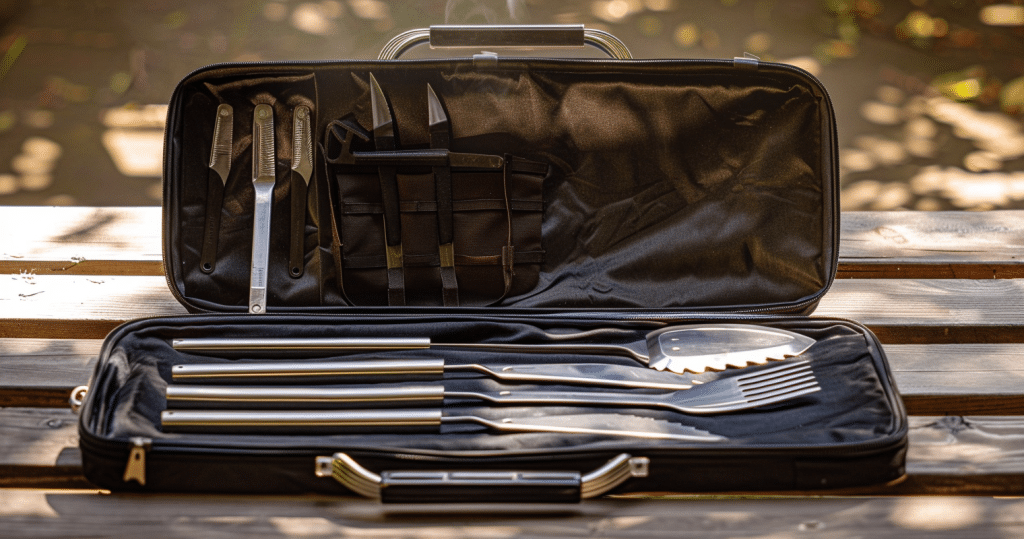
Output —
(795, 307)
(135, 469)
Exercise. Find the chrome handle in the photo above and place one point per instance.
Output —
(288, 397)
(515, 36)
(480, 486)
(263, 179)
(205, 345)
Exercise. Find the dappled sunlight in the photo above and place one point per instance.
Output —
(135, 139)
(937, 513)
(14, 503)
(82, 234)
(966, 189)
(915, 84)
(1002, 15)
(145, 116)
(320, 526)
(135, 152)
(978, 184)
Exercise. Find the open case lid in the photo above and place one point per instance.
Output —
(684, 185)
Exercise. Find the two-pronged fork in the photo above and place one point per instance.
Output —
(764, 386)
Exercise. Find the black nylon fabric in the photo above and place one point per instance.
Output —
(672, 183)
(853, 407)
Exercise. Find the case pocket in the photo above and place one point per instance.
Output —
(496, 218)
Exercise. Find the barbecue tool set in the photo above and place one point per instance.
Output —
(499, 279)
(386, 157)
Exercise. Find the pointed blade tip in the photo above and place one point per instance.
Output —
(435, 111)
(379, 106)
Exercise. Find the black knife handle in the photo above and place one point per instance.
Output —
(297, 258)
(214, 201)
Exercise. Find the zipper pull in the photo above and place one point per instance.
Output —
(136, 467)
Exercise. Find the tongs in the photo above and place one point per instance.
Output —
(420, 369)
(391, 421)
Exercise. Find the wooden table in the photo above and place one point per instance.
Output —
(944, 291)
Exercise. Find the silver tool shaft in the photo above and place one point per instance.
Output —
(401, 421)
(264, 159)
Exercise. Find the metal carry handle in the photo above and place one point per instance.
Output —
(506, 36)
(480, 486)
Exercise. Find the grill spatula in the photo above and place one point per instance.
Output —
(691, 348)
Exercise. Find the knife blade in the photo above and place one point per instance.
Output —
(264, 176)
(384, 139)
(440, 138)
(217, 181)
(302, 169)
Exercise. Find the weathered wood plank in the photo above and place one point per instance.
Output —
(68, 514)
(42, 372)
(947, 455)
(81, 240)
(955, 379)
(39, 447)
(932, 245)
(909, 311)
(909, 245)
(923, 311)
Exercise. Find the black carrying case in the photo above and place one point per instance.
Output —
(634, 195)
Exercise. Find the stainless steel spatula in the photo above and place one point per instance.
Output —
(692, 348)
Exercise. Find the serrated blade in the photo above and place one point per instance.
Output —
(717, 347)
(220, 150)
(302, 143)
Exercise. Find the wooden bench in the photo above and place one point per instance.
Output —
(944, 291)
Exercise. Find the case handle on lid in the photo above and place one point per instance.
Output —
(515, 36)
(480, 486)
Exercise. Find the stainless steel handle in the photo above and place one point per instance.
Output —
(515, 36)
(264, 177)
(288, 397)
(307, 372)
(295, 422)
(206, 345)
(202, 345)
(480, 486)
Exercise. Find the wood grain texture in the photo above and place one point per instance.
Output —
(81, 240)
(932, 245)
(947, 455)
(910, 245)
(907, 311)
(64, 514)
(31, 514)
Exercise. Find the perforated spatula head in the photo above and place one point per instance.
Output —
(717, 347)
